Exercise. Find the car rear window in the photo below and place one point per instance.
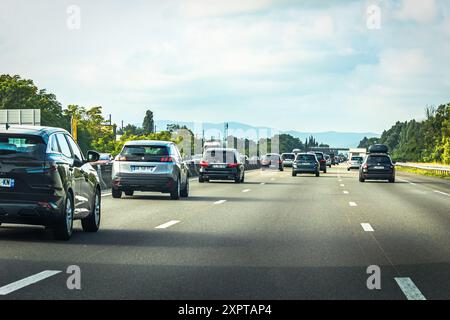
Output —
(319, 156)
(288, 156)
(357, 158)
(378, 159)
(220, 156)
(306, 158)
(144, 153)
(22, 147)
(271, 157)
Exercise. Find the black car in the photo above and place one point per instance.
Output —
(46, 180)
(221, 164)
(322, 161)
(272, 160)
(377, 166)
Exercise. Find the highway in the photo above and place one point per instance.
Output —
(273, 237)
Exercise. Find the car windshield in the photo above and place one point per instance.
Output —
(288, 156)
(220, 156)
(373, 160)
(319, 156)
(306, 158)
(21, 147)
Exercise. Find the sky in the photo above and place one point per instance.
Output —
(309, 65)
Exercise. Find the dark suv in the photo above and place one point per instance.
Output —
(322, 161)
(221, 164)
(377, 166)
(46, 180)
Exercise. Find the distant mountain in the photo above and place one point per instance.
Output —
(241, 130)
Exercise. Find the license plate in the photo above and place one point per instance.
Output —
(7, 183)
(378, 168)
(305, 164)
(219, 166)
(142, 169)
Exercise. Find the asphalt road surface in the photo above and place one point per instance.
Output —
(273, 237)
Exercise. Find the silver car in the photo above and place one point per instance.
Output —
(148, 165)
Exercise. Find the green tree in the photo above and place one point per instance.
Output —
(18, 93)
(148, 125)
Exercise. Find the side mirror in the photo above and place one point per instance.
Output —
(93, 156)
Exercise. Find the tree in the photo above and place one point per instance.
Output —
(367, 142)
(18, 93)
(289, 143)
(148, 125)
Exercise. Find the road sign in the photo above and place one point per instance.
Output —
(20, 117)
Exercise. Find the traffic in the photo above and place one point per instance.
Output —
(46, 180)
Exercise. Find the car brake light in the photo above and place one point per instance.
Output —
(166, 159)
(279, 161)
(204, 164)
(365, 166)
(233, 165)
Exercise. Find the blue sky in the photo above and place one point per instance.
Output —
(292, 65)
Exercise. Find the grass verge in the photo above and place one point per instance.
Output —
(429, 173)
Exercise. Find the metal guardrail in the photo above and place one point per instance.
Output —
(105, 172)
(441, 170)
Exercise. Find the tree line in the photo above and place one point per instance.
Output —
(419, 141)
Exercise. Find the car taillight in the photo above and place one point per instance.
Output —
(365, 166)
(280, 162)
(204, 164)
(323, 160)
(122, 158)
(233, 165)
(166, 159)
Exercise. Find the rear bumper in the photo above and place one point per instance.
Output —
(138, 182)
(229, 174)
(378, 176)
(304, 170)
(30, 212)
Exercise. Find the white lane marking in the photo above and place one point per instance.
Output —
(340, 180)
(443, 193)
(167, 224)
(220, 202)
(246, 190)
(409, 289)
(352, 204)
(411, 183)
(27, 281)
(367, 227)
(342, 185)
(106, 194)
(273, 179)
(345, 192)
(262, 183)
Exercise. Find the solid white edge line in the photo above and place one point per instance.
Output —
(409, 289)
(167, 224)
(106, 194)
(220, 202)
(27, 281)
(352, 204)
(367, 227)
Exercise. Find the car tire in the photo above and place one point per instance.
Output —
(129, 193)
(63, 228)
(185, 191)
(348, 169)
(92, 222)
(318, 174)
(362, 179)
(175, 193)
(237, 179)
(243, 178)
(325, 171)
(392, 180)
(294, 174)
(116, 193)
(200, 179)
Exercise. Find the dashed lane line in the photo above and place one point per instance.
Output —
(167, 224)
(27, 281)
(443, 193)
(367, 227)
(352, 204)
(409, 289)
(246, 190)
(220, 201)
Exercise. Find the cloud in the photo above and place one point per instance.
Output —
(422, 11)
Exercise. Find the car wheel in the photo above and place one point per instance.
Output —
(237, 179)
(185, 191)
(92, 222)
(294, 174)
(116, 193)
(175, 193)
(348, 169)
(64, 227)
(318, 174)
(392, 180)
(325, 171)
(243, 178)
(129, 193)
(361, 179)
(200, 179)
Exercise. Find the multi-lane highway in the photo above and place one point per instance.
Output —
(273, 237)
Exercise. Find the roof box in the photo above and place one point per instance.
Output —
(378, 148)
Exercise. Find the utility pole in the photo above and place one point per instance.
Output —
(225, 134)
